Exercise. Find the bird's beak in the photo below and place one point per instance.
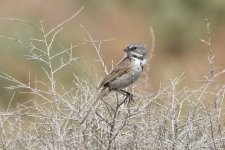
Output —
(126, 49)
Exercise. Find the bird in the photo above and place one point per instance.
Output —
(125, 73)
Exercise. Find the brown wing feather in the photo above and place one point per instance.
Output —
(121, 68)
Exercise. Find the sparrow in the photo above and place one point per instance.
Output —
(125, 73)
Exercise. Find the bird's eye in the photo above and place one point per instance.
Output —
(134, 47)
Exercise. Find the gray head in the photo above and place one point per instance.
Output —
(137, 51)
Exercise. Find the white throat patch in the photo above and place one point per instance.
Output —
(138, 62)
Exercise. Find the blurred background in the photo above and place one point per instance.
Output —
(178, 26)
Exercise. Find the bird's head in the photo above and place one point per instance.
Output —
(137, 51)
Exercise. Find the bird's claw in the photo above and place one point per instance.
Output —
(129, 98)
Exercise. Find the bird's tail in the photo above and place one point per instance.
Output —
(104, 91)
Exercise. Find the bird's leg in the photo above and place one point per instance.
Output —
(129, 96)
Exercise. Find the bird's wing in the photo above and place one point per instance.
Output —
(120, 69)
